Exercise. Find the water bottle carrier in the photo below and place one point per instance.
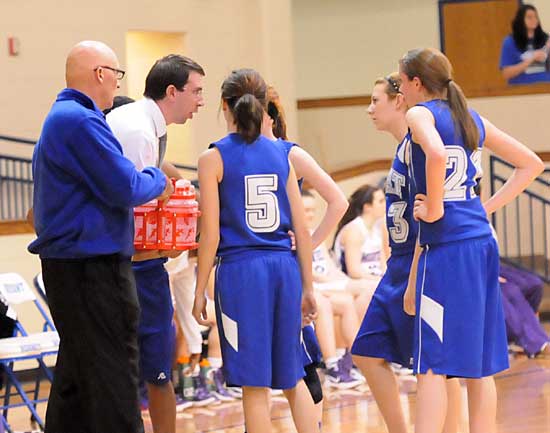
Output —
(170, 224)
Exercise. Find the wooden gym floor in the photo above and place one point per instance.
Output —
(523, 406)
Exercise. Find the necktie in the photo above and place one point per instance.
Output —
(162, 148)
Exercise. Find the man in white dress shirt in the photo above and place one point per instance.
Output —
(173, 93)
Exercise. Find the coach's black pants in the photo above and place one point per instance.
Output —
(95, 309)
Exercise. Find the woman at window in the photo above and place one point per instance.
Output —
(524, 56)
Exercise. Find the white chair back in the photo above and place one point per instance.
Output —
(15, 290)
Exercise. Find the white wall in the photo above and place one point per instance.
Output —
(342, 47)
(543, 7)
(219, 34)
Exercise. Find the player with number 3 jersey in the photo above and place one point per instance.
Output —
(387, 332)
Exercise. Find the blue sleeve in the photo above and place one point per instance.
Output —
(510, 55)
(287, 145)
(94, 155)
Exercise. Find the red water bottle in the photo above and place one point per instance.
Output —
(186, 220)
(145, 226)
(178, 219)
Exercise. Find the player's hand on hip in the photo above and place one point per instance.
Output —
(199, 310)
(420, 209)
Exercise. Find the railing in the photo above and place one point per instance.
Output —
(17, 140)
(16, 187)
(523, 226)
(16, 183)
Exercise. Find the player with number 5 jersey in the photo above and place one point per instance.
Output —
(454, 287)
(249, 201)
(387, 332)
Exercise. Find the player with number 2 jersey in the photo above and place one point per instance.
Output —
(387, 332)
(460, 240)
(453, 289)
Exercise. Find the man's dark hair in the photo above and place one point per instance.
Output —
(170, 70)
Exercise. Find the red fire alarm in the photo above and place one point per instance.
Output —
(13, 46)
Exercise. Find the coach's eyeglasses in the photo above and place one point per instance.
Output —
(118, 72)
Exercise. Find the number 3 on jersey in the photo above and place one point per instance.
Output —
(261, 205)
(400, 230)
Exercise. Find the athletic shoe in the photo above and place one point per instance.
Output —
(201, 395)
(354, 372)
(217, 385)
(338, 377)
(182, 404)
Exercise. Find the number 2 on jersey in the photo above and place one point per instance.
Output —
(457, 162)
(261, 205)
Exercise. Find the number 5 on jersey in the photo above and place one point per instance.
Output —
(261, 205)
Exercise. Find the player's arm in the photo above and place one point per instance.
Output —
(171, 170)
(527, 165)
(303, 245)
(321, 182)
(422, 125)
(210, 174)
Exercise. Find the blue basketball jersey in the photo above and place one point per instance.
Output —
(254, 207)
(402, 227)
(288, 145)
(464, 217)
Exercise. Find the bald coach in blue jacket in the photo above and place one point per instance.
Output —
(84, 192)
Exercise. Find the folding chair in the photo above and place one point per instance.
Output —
(40, 288)
(24, 346)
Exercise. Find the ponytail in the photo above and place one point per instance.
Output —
(248, 113)
(244, 90)
(461, 115)
(277, 113)
(435, 72)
